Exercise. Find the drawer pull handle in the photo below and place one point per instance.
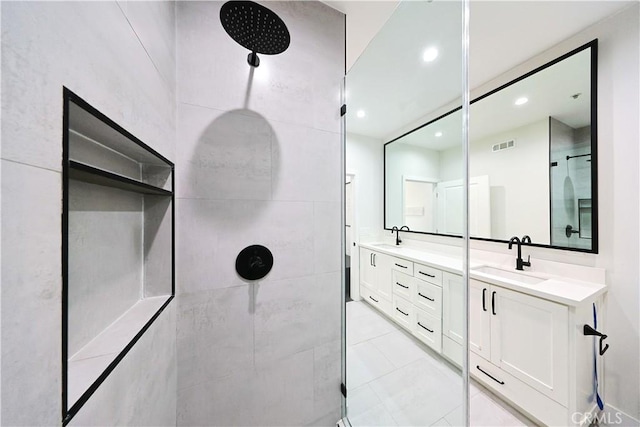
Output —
(406, 314)
(489, 375)
(424, 327)
(427, 274)
(400, 284)
(370, 297)
(400, 265)
(424, 296)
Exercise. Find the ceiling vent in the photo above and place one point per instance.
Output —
(504, 145)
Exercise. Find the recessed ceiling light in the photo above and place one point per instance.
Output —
(438, 134)
(430, 54)
(360, 114)
(521, 101)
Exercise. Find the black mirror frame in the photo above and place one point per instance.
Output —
(593, 45)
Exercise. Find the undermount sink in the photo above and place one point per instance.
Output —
(385, 246)
(509, 275)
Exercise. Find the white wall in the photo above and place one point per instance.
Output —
(451, 164)
(120, 58)
(364, 157)
(259, 162)
(519, 181)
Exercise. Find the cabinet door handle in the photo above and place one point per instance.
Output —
(424, 296)
(424, 327)
(426, 274)
(406, 314)
(489, 375)
(374, 260)
(400, 284)
(400, 265)
(484, 305)
(372, 298)
(371, 259)
(493, 302)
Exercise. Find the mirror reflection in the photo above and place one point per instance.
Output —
(530, 151)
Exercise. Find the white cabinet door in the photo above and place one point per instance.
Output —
(452, 310)
(375, 273)
(382, 265)
(530, 340)
(480, 318)
(367, 270)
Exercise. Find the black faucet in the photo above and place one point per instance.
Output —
(397, 230)
(520, 263)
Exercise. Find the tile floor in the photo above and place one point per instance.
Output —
(394, 380)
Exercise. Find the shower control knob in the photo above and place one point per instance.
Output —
(254, 262)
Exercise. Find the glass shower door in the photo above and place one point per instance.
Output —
(405, 328)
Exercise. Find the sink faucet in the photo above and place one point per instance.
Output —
(397, 230)
(520, 263)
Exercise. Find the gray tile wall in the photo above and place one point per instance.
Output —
(258, 162)
(120, 57)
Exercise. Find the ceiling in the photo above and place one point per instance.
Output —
(550, 93)
(394, 87)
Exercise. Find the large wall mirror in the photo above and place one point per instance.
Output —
(532, 162)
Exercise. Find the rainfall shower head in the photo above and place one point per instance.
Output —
(256, 28)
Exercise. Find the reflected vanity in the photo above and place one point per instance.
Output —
(532, 162)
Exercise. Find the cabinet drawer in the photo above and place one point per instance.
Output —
(402, 265)
(428, 297)
(403, 284)
(526, 398)
(403, 312)
(373, 298)
(428, 329)
(430, 274)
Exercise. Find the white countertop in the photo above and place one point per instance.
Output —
(564, 290)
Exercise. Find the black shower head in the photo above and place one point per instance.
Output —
(255, 27)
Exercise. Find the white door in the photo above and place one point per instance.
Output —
(449, 202)
(530, 340)
(479, 206)
(480, 318)
(452, 310)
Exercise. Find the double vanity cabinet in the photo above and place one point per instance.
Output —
(526, 337)
(409, 293)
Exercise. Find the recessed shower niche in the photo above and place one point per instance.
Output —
(118, 250)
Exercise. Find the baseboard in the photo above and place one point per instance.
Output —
(614, 416)
(587, 418)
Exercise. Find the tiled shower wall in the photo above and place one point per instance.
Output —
(258, 162)
(120, 57)
(570, 182)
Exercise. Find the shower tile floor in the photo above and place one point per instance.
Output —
(394, 380)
